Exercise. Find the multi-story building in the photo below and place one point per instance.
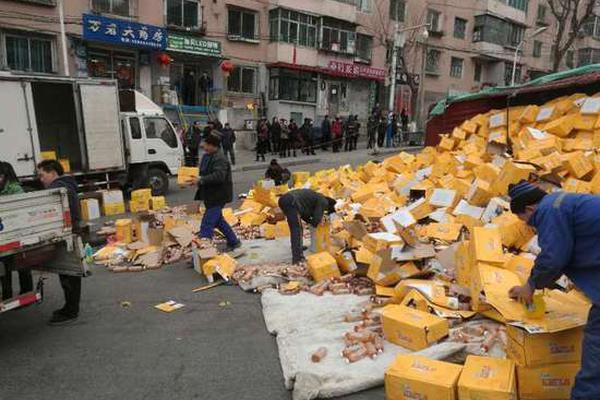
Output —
(288, 58)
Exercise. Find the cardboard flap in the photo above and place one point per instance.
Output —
(356, 228)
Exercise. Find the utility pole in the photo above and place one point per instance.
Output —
(63, 37)
(393, 67)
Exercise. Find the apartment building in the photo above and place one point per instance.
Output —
(287, 58)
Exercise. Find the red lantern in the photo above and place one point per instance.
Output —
(164, 59)
(226, 67)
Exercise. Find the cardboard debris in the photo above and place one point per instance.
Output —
(169, 306)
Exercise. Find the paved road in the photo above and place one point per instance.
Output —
(203, 351)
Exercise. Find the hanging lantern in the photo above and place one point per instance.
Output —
(164, 59)
(226, 67)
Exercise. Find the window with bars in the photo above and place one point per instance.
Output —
(28, 53)
(364, 47)
(117, 7)
(242, 24)
(292, 27)
(477, 72)
(285, 84)
(592, 26)
(508, 69)
(337, 36)
(434, 19)
(242, 80)
(518, 4)
(491, 29)
(460, 28)
(540, 18)
(456, 67)
(515, 34)
(398, 10)
(432, 62)
(537, 48)
(182, 13)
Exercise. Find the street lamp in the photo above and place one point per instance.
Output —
(518, 49)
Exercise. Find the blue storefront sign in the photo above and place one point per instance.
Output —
(118, 31)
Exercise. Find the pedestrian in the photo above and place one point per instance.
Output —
(9, 184)
(284, 140)
(371, 131)
(307, 138)
(404, 122)
(228, 141)
(391, 130)
(215, 189)
(295, 139)
(275, 135)
(350, 132)
(381, 130)
(193, 139)
(210, 126)
(262, 140)
(51, 174)
(308, 205)
(337, 130)
(325, 133)
(568, 229)
(356, 133)
(277, 173)
(205, 84)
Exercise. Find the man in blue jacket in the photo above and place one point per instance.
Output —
(568, 228)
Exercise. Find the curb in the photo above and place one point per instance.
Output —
(285, 163)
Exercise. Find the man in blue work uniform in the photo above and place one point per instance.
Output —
(568, 228)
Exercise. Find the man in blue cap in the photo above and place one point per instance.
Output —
(568, 228)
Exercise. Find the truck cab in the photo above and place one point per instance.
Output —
(151, 142)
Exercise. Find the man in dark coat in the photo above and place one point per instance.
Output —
(215, 188)
(308, 205)
(227, 142)
(51, 174)
(325, 133)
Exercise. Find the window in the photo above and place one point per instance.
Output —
(364, 6)
(541, 14)
(456, 67)
(508, 68)
(491, 29)
(337, 36)
(292, 27)
(570, 59)
(117, 7)
(159, 128)
(519, 4)
(432, 63)
(242, 24)
(537, 49)
(134, 124)
(477, 73)
(588, 56)
(242, 80)
(592, 26)
(397, 10)
(285, 84)
(183, 13)
(364, 47)
(433, 20)
(27, 53)
(515, 34)
(460, 28)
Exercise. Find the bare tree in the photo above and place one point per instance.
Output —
(570, 16)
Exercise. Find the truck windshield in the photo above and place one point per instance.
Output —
(159, 128)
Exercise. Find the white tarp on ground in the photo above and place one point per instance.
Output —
(305, 322)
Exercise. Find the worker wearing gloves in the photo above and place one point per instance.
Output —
(51, 174)
(307, 205)
(568, 228)
(215, 188)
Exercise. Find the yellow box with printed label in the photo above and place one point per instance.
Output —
(322, 266)
(487, 378)
(412, 377)
(486, 245)
(547, 382)
(528, 349)
(412, 329)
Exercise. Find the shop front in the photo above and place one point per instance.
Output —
(119, 49)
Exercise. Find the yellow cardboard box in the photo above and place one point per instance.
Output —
(487, 378)
(224, 264)
(561, 127)
(267, 231)
(447, 144)
(139, 205)
(252, 219)
(322, 266)
(251, 205)
(531, 350)
(486, 245)
(48, 155)
(141, 195)
(90, 209)
(578, 165)
(463, 263)
(386, 272)
(282, 229)
(184, 174)
(229, 216)
(113, 209)
(511, 173)
(447, 232)
(124, 230)
(300, 177)
(412, 329)
(529, 114)
(158, 202)
(520, 265)
(66, 164)
(479, 193)
(345, 261)
(547, 382)
(381, 240)
(412, 377)
(470, 126)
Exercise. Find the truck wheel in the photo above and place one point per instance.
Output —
(159, 181)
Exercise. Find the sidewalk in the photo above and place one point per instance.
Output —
(245, 159)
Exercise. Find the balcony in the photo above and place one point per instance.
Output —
(341, 10)
(499, 8)
(491, 51)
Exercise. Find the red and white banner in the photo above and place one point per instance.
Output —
(355, 70)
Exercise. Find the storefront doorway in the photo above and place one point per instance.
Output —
(122, 66)
(193, 82)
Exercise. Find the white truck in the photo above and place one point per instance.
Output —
(82, 122)
(36, 233)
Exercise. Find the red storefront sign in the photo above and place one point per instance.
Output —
(354, 70)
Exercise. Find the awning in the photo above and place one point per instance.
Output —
(327, 71)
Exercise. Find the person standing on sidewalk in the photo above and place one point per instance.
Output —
(371, 131)
(295, 139)
(275, 135)
(568, 229)
(262, 141)
(337, 131)
(284, 141)
(350, 133)
(51, 174)
(215, 188)
(227, 142)
(325, 133)
(308, 206)
(307, 137)
(356, 133)
(381, 129)
(404, 122)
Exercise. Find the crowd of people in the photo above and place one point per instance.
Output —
(195, 135)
